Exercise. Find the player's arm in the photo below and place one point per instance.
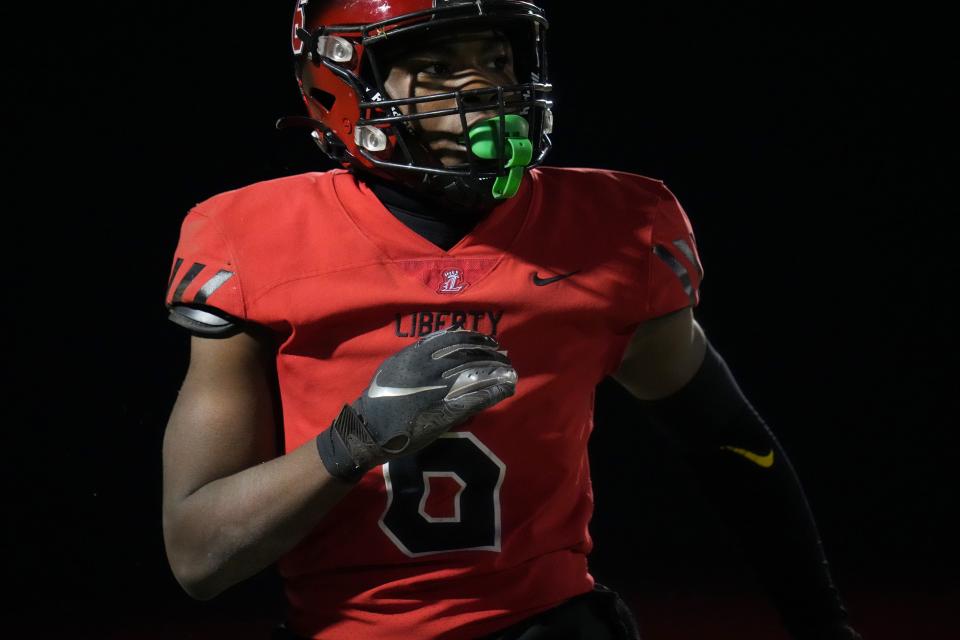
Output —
(662, 355)
(231, 505)
(691, 395)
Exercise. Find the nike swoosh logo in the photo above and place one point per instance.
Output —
(376, 391)
(764, 461)
(537, 280)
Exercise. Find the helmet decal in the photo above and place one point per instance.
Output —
(299, 22)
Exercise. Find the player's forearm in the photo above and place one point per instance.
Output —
(766, 507)
(234, 527)
(750, 481)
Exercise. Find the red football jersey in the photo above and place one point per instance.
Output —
(488, 524)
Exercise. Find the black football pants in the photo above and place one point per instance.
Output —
(600, 614)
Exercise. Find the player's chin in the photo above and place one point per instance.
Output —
(451, 161)
(459, 156)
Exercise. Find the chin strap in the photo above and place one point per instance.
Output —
(469, 194)
(481, 193)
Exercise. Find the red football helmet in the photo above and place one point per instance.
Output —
(336, 44)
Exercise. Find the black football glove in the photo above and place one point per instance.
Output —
(418, 393)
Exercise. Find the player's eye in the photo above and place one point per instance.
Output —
(436, 68)
(501, 62)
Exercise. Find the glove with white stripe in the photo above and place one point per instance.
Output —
(418, 393)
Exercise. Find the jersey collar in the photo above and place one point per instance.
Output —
(494, 234)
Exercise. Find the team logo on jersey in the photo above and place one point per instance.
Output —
(299, 22)
(452, 282)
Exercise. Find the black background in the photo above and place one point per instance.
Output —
(809, 148)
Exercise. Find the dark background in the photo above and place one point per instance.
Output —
(809, 148)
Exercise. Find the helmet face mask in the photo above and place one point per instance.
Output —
(475, 65)
(345, 51)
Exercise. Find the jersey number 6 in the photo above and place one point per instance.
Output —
(475, 524)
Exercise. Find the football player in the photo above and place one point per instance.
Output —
(425, 327)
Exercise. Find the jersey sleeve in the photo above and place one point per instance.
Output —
(675, 271)
(203, 291)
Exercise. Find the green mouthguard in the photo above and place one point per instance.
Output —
(484, 138)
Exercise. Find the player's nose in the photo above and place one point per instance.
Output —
(480, 101)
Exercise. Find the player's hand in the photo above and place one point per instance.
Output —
(417, 394)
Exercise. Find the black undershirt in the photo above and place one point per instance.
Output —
(444, 228)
